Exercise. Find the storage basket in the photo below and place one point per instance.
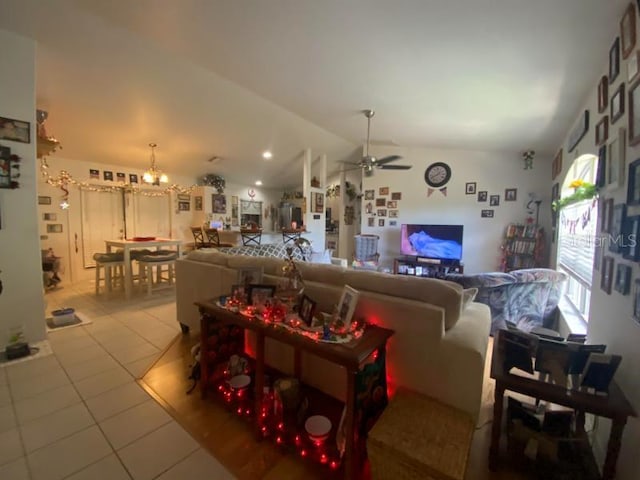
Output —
(419, 438)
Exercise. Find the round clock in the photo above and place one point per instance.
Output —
(437, 174)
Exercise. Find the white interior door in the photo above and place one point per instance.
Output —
(151, 216)
(102, 219)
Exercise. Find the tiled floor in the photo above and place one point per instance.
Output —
(80, 415)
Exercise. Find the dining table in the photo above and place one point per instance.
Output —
(138, 244)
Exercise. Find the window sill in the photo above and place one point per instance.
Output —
(570, 319)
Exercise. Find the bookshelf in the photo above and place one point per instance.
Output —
(522, 247)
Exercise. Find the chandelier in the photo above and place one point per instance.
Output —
(154, 176)
(46, 144)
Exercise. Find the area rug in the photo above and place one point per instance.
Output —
(79, 320)
(38, 350)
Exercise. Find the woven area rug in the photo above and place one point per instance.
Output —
(80, 319)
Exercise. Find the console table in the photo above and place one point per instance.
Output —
(614, 406)
(362, 385)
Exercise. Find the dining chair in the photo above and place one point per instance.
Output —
(251, 236)
(290, 234)
(213, 238)
(198, 237)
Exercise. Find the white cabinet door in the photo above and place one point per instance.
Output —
(102, 219)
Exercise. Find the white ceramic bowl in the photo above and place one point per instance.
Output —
(239, 381)
(318, 427)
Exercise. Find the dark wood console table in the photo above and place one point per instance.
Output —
(352, 356)
(614, 406)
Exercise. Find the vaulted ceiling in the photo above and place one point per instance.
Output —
(230, 79)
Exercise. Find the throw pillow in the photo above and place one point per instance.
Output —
(468, 296)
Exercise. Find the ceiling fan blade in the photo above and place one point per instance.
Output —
(394, 167)
(390, 158)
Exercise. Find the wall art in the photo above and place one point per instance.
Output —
(15, 130)
(617, 104)
(578, 131)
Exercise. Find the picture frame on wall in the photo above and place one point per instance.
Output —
(607, 215)
(486, 213)
(494, 200)
(632, 229)
(15, 130)
(556, 165)
(606, 275)
(603, 94)
(219, 203)
(381, 202)
(634, 114)
(510, 194)
(633, 64)
(482, 196)
(636, 300)
(470, 188)
(617, 104)
(623, 279)
(381, 222)
(617, 242)
(601, 169)
(628, 31)
(197, 202)
(578, 131)
(614, 60)
(616, 160)
(602, 130)
(633, 183)
(369, 194)
(43, 200)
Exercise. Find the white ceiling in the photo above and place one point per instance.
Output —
(206, 78)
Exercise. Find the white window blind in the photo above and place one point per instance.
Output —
(577, 239)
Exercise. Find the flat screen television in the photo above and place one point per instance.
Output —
(441, 243)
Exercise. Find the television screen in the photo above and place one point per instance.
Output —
(440, 242)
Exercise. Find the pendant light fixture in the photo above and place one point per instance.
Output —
(154, 176)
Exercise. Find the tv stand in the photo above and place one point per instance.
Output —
(423, 267)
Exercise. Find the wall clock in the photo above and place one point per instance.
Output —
(437, 174)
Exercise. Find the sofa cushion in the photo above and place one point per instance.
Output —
(322, 273)
(442, 293)
(468, 296)
(208, 255)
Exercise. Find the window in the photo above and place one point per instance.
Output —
(577, 237)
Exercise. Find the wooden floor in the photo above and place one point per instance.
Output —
(230, 438)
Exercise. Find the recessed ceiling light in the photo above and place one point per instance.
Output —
(267, 155)
(258, 182)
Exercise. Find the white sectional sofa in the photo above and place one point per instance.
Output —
(438, 348)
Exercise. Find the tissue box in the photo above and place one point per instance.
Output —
(63, 316)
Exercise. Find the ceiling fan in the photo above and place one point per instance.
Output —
(369, 162)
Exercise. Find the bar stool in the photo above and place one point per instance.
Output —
(163, 278)
(290, 234)
(113, 266)
(251, 236)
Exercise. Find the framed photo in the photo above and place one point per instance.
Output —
(482, 196)
(396, 195)
(306, 310)
(15, 130)
(617, 104)
(616, 235)
(616, 160)
(486, 214)
(603, 94)
(636, 300)
(606, 275)
(578, 131)
(369, 194)
(632, 66)
(633, 184)
(107, 176)
(470, 188)
(197, 202)
(94, 173)
(392, 204)
(494, 200)
(381, 202)
(628, 30)
(5, 173)
(382, 212)
(219, 202)
(133, 178)
(44, 200)
(381, 222)
(614, 60)
(259, 294)
(49, 217)
(371, 222)
(634, 114)
(597, 254)
(383, 191)
(184, 197)
(368, 208)
(184, 206)
(510, 194)
(318, 202)
(239, 292)
(607, 215)
(601, 168)
(632, 233)
(393, 223)
(121, 177)
(347, 306)
(393, 213)
(623, 279)
(602, 131)
(54, 228)
(247, 276)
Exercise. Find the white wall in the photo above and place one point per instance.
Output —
(611, 319)
(21, 303)
(492, 171)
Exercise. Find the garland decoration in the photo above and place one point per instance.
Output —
(582, 191)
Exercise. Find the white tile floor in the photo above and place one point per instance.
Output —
(79, 414)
